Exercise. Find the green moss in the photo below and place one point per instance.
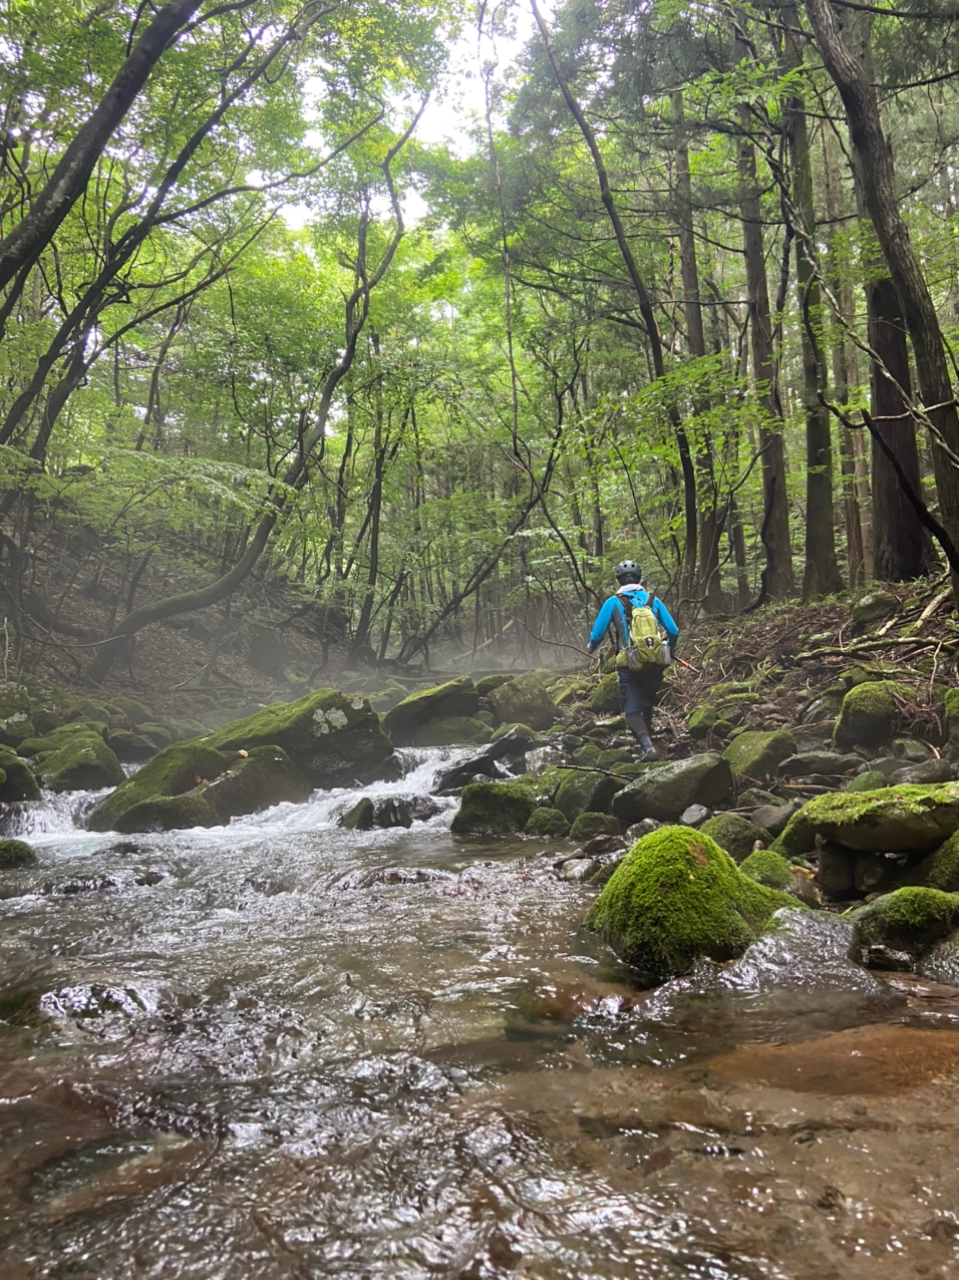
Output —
(135, 711)
(585, 792)
(588, 825)
(451, 731)
(870, 712)
(546, 822)
(911, 919)
(16, 853)
(455, 698)
(903, 818)
(19, 782)
(768, 868)
(871, 780)
(677, 897)
(606, 699)
(587, 755)
(939, 870)
(756, 754)
(700, 721)
(168, 813)
(360, 817)
(172, 772)
(264, 777)
(83, 762)
(734, 833)
(493, 808)
(486, 686)
(521, 731)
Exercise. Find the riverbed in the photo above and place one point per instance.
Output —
(282, 1049)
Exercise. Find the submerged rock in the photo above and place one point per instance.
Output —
(16, 853)
(360, 817)
(677, 897)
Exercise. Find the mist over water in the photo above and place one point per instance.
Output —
(283, 1049)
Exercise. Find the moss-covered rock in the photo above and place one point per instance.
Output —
(588, 825)
(757, 754)
(546, 822)
(911, 920)
(517, 731)
(605, 700)
(331, 737)
(768, 868)
(525, 700)
(938, 870)
(895, 820)
(493, 808)
(264, 777)
(158, 734)
(15, 728)
(734, 833)
(136, 712)
(873, 607)
(360, 817)
(585, 791)
(14, 700)
(700, 721)
(869, 714)
(677, 897)
(130, 747)
(664, 791)
(16, 853)
(83, 762)
(453, 731)
(871, 780)
(455, 698)
(167, 813)
(173, 772)
(19, 781)
(587, 755)
(486, 685)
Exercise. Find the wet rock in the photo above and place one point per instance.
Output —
(897, 819)
(694, 816)
(926, 772)
(870, 780)
(641, 828)
(677, 897)
(486, 685)
(450, 731)
(512, 746)
(734, 833)
(166, 813)
(392, 813)
(869, 713)
(525, 700)
(135, 711)
(493, 808)
(757, 754)
(360, 817)
(331, 737)
(422, 808)
(912, 920)
(664, 791)
(16, 853)
(911, 750)
(545, 821)
(170, 774)
(886, 765)
(830, 763)
(18, 781)
(263, 777)
(585, 791)
(878, 872)
(773, 817)
(602, 845)
(768, 868)
(754, 796)
(588, 825)
(578, 870)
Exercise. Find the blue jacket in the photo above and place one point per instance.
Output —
(613, 615)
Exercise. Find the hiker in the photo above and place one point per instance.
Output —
(639, 684)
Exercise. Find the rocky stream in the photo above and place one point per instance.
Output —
(467, 992)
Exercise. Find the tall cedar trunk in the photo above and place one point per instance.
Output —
(874, 157)
(778, 578)
(710, 584)
(903, 547)
(821, 574)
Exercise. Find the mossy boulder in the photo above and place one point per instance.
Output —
(486, 684)
(911, 920)
(605, 700)
(81, 762)
(588, 825)
(871, 780)
(16, 853)
(15, 728)
(517, 731)
(756, 754)
(135, 711)
(872, 608)
(677, 897)
(19, 781)
(938, 870)
(768, 868)
(332, 737)
(700, 721)
(264, 777)
(173, 772)
(453, 699)
(585, 791)
(130, 747)
(453, 731)
(665, 791)
(361, 817)
(734, 833)
(547, 822)
(14, 700)
(493, 808)
(168, 813)
(869, 714)
(525, 700)
(894, 820)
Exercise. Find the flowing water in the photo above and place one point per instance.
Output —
(281, 1049)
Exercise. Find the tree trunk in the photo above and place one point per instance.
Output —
(874, 157)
